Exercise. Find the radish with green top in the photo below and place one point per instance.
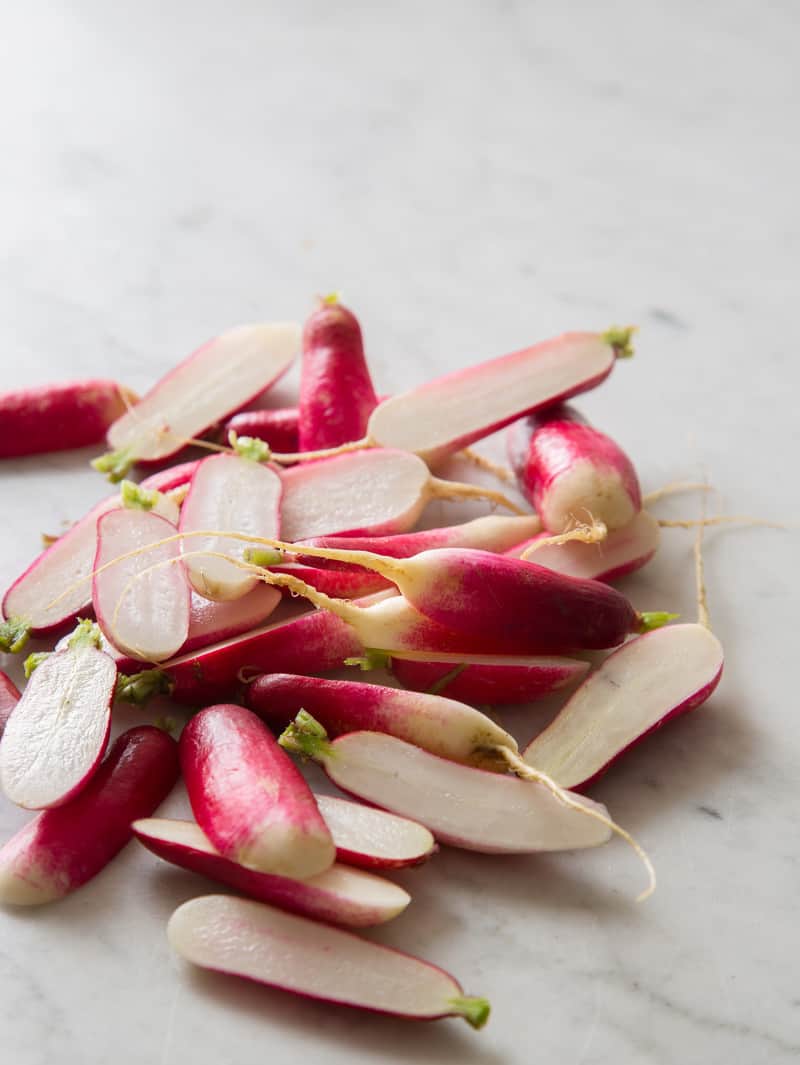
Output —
(374, 839)
(54, 740)
(249, 798)
(278, 427)
(255, 941)
(208, 386)
(9, 697)
(61, 849)
(339, 895)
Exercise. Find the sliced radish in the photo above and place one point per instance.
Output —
(339, 895)
(255, 941)
(374, 839)
(645, 683)
(9, 697)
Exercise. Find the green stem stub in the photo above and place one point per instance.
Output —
(654, 619)
(34, 660)
(442, 682)
(86, 634)
(134, 497)
(306, 736)
(115, 463)
(264, 556)
(373, 658)
(138, 688)
(14, 634)
(249, 447)
(475, 1011)
(620, 339)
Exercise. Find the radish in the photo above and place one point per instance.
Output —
(372, 838)
(278, 427)
(371, 493)
(57, 734)
(216, 380)
(235, 492)
(9, 697)
(249, 939)
(442, 726)
(142, 602)
(248, 797)
(59, 417)
(570, 471)
(61, 849)
(339, 895)
(352, 583)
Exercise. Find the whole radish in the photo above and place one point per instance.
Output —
(59, 417)
(61, 849)
(9, 697)
(278, 427)
(571, 472)
(336, 393)
(248, 797)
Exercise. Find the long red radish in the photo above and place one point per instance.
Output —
(250, 939)
(374, 839)
(278, 427)
(59, 417)
(216, 380)
(340, 895)
(9, 697)
(248, 797)
(571, 472)
(61, 849)
(336, 392)
(56, 736)
(351, 583)
(228, 491)
(142, 603)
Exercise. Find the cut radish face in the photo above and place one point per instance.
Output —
(339, 895)
(372, 838)
(219, 378)
(57, 734)
(142, 603)
(228, 492)
(61, 849)
(250, 939)
(637, 689)
(9, 697)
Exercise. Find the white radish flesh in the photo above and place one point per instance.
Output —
(372, 838)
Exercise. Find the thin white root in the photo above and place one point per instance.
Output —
(703, 616)
(673, 489)
(527, 772)
(724, 519)
(502, 473)
(441, 489)
(585, 534)
(290, 458)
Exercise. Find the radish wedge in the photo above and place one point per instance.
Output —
(216, 380)
(249, 939)
(9, 697)
(466, 807)
(228, 492)
(59, 850)
(374, 839)
(57, 734)
(339, 895)
(142, 603)
(645, 683)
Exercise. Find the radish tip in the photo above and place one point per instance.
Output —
(619, 338)
(475, 1011)
(14, 634)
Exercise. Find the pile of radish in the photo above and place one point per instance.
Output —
(166, 588)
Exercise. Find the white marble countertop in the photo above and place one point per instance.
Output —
(474, 177)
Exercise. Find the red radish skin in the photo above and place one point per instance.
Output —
(443, 726)
(352, 583)
(374, 839)
(60, 850)
(249, 798)
(634, 692)
(249, 939)
(9, 697)
(338, 896)
(211, 384)
(571, 472)
(278, 427)
(59, 417)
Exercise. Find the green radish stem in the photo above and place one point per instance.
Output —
(138, 688)
(14, 634)
(475, 1011)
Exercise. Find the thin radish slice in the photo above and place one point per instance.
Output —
(338, 896)
(228, 492)
(56, 736)
(277, 427)
(255, 941)
(142, 602)
(374, 839)
(642, 685)
(61, 849)
(216, 380)
(9, 697)
(249, 798)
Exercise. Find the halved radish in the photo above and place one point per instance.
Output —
(339, 895)
(249, 939)
(374, 839)
(56, 736)
(9, 697)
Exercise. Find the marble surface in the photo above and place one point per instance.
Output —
(473, 177)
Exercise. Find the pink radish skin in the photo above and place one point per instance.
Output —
(623, 551)
(228, 492)
(54, 740)
(59, 417)
(374, 839)
(336, 393)
(278, 427)
(571, 472)
(442, 726)
(249, 798)
(9, 697)
(249, 939)
(636, 690)
(60, 850)
(338, 896)
(207, 387)
(144, 611)
(353, 583)
(494, 680)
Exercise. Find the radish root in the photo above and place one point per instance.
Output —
(502, 473)
(440, 489)
(585, 534)
(674, 488)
